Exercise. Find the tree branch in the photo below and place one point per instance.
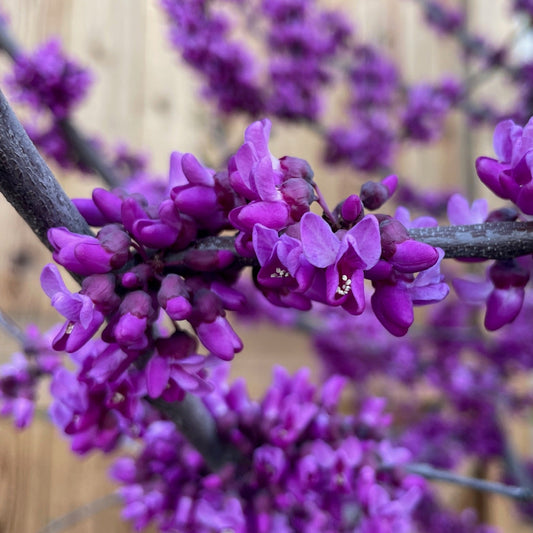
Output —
(28, 184)
(427, 471)
(491, 240)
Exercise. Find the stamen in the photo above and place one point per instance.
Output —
(118, 397)
(345, 286)
(70, 327)
(279, 273)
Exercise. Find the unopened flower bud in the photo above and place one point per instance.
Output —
(392, 233)
(351, 208)
(505, 214)
(294, 167)
(505, 274)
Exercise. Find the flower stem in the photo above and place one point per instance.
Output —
(12, 328)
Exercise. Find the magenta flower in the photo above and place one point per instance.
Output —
(176, 369)
(459, 212)
(510, 175)
(396, 294)
(83, 319)
(282, 262)
(340, 259)
(81, 254)
(152, 232)
(502, 292)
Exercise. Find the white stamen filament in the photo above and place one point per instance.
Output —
(345, 286)
(280, 273)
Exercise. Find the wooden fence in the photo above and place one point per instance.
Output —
(143, 96)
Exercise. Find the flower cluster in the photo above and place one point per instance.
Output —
(303, 41)
(47, 80)
(146, 263)
(19, 378)
(203, 38)
(306, 468)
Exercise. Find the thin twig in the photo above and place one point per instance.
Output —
(12, 328)
(511, 491)
(81, 513)
(513, 465)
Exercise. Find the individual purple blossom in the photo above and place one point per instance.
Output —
(509, 176)
(459, 212)
(502, 292)
(396, 293)
(402, 215)
(48, 79)
(175, 369)
(85, 255)
(83, 319)
(284, 271)
(340, 259)
(373, 194)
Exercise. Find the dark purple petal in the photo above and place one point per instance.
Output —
(393, 308)
(503, 306)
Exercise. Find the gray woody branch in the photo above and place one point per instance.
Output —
(492, 240)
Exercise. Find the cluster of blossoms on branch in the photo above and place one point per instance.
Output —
(307, 468)
(149, 327)
(303, 64)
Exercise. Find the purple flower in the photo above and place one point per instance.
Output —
(281, 260)
(48, 79)
(503, 291)
(510, 176)
(459, 212)
(395, 295)
(340, 259)
(83, 319)
(81, 254)
(176, 369)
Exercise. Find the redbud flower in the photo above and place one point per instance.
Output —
(83, 319)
